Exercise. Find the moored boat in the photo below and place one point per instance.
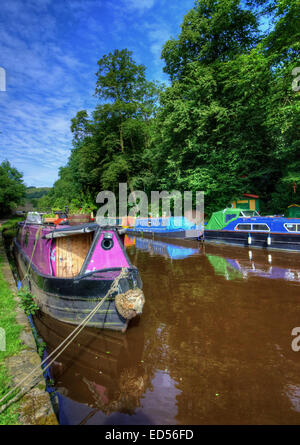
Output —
(165, 227)
(248, 228)
(70, 269)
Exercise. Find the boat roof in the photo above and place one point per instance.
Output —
(218, 219)
(79, 229)
(71, 230)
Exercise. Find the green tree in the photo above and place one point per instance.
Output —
(282, 47)
(227, 124)
(131, 105)
(211, 31)
(111, 145)
(208, 121)
(12, 188)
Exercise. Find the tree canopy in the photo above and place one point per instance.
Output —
(12, 188)
(227, 123)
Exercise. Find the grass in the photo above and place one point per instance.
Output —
(13, 344)
(11, 223)
(9, 230)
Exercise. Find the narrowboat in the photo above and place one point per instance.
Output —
(70, 269)
(248, 228)
(166, 227)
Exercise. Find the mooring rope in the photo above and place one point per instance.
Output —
(65, 342)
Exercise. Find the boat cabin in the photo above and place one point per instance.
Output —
(220, 219)
(62, 250)
(293, 211)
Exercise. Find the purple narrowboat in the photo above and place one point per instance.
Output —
(70, 269)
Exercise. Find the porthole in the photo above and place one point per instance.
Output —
(107, 242)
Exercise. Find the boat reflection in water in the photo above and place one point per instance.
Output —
(230, 261)
(100, 373)
(168, 250)
(246, 264)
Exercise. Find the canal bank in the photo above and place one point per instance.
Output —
(19, 357)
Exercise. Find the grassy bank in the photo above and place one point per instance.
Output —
(13, 344)
(9, 228)
(20, 356)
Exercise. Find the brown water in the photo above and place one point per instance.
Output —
(213, 345)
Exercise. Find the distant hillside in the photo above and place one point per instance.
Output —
(36, 192)
(33, 194)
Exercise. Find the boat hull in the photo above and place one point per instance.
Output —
(276, 241)
(70, 300)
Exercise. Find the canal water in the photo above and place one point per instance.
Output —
(213, 345)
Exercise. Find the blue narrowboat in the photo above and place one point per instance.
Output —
(248, 228)
(169, 227)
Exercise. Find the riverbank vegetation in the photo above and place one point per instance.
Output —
(13, 344)
(227, 122)
(9, 230)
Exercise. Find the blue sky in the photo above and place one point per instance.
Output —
(50, 49)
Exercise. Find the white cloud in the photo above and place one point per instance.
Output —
(45, 85)
(140, 5)
(50, 51)
(158, 37)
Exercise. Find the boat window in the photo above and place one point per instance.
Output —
(261, 227)
(243, 227)
(229, 217)
(249, 213)
(291, 227)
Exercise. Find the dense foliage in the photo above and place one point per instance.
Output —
(228, 123)
(12, 188)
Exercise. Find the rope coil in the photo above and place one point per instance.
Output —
(130, 303)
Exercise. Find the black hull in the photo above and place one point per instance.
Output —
(70, 300)
(278, 240)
